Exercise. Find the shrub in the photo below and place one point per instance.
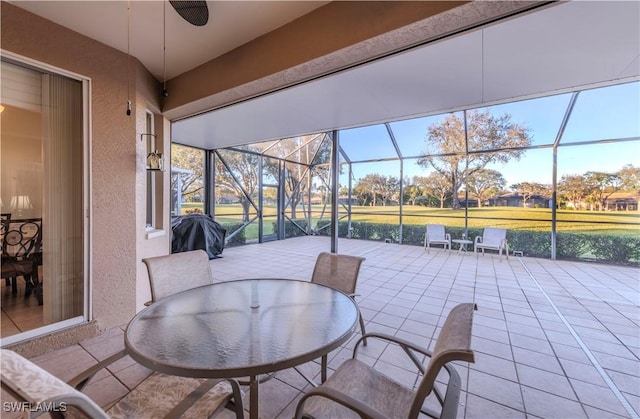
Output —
(570, 245)
(237, 240)
(621, 249)
(290, 230)
(530, 243)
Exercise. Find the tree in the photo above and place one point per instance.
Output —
(602, 185)
(574, 189)
(411, 193)
(528, 189)
(242, 178)
(191, 162)
(629, 178)
(374, 188)
(485, 183)
(446, 150)
(435, 185)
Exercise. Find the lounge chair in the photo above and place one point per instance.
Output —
(435, 234)
(493, 239)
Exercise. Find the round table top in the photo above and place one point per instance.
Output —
(241, 328)
(462, 241)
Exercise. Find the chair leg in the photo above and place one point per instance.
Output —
(323, 368)
(364, 332)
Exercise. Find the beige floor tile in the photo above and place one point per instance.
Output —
(527, 361)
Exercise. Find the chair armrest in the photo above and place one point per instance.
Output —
(447, 236)
(365, 411)
(81, 380)
(477, 240)
(394, 339)
(406, 346)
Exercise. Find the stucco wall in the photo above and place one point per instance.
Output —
(117, 157)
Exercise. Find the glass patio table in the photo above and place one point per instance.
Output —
(243, 328)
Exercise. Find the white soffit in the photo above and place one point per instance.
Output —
(571, 45)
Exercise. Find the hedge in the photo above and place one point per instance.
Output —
(569, 246)
(237, 240)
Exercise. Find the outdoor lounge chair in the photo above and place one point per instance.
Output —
(157, 396)
(492, 239)
(177, 272)
(358, 390)
(435, 234)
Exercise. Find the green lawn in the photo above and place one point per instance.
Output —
(532, 219)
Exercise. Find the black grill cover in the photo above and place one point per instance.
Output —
(197, 231)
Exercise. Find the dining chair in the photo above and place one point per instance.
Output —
(435, 234)
(22, 254)
(157, 396)
(357, 390)
(169, 274)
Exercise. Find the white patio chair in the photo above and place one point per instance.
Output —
(493, 239)
(435, 234)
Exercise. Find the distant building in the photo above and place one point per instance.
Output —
(517, 200)
(622, 201)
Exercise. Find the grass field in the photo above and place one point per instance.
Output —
(532, 219)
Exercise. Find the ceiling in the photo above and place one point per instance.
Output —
(231, 24)
(561, 48)
(567, 46)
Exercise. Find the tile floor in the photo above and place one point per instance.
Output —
(552, 339)
(17, 311)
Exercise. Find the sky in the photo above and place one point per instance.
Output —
(605, 113)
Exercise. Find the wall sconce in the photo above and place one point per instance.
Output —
(155, 160)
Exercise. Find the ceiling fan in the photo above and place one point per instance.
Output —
(194, 12)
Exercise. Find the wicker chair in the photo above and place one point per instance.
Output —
(158, 396)
(177, 272)
(435, 234)
(357, 390)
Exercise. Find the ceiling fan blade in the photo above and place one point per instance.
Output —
(194, 12)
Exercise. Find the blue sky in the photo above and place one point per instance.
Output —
(604, 113)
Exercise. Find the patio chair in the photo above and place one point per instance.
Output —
(159, 395)
(435, 234)
(339, 272)
(493, 239)
(358, 390)
(177, 272)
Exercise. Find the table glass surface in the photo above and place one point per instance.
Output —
(240, 328)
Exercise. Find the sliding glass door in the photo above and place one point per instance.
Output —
(42, 152)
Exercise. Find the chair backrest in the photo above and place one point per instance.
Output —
(337, 271)
(21, 239)
(177, 272)
(493, 236)
(29, 383)
(435, 232)
(453, 344)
